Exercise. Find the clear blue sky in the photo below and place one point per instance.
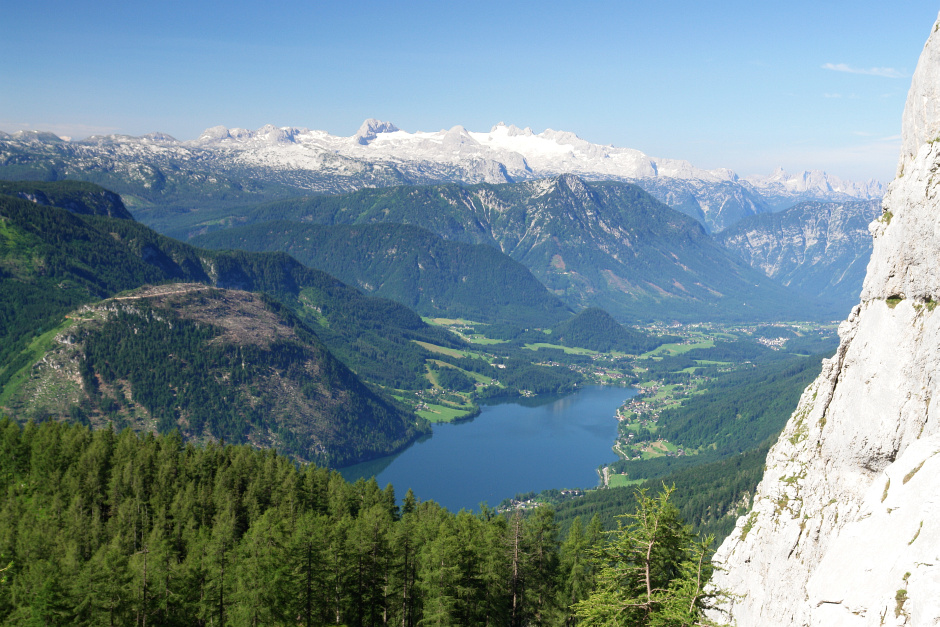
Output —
(744, 85)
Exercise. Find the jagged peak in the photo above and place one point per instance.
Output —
(572, 182)
(370, 128)
(921, 120)
(277, 135)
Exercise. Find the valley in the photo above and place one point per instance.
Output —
(665, 358)
(548, 346)
(686, 403)
(474, 345)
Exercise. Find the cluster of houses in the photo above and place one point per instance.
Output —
(510, 505)
(774, 343)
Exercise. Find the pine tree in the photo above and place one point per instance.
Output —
(651, 571)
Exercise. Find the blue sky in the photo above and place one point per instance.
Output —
(743, 85)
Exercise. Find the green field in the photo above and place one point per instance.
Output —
(479, 339)
(480, 378)
(622, 481)
(441, 350)
(36, 349)
(569, 350)
(678, 349)
(442, 413)
(449, 322)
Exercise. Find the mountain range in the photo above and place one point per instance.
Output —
(593, 244)
(226, 166)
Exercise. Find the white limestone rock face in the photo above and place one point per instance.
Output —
(845, 527)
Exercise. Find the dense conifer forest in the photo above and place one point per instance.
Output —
(99, 527)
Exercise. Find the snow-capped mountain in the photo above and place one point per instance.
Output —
(812, 185)
(381, 154)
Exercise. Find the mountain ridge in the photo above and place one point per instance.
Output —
(820, 249)
(216, 364)
(290, 160)
(411, 265)
(604, 244)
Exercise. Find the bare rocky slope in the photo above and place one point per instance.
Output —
(845, 526)
(820, 249)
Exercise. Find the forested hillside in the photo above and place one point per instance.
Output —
(410, 265)
(710, 496)
(131, 365)
(216, 365)
(105, 528)
(75, 196)
(595, 329)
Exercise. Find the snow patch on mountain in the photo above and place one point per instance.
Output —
(381, 154)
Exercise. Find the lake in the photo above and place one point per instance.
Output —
(508, 449)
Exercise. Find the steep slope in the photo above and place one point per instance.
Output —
(53, 261)
(715, 204)
(217, 365)
(607, 245)
(227, 166)
(410, 265)
(195, 373)
(845, 527)
(75, 196)
(819, 249)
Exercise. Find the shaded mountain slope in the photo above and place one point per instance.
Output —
(75, 196)
(609, 245)
(410, 265)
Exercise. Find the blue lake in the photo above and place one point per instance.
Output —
(508, 449)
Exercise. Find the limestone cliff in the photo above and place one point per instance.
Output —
(845, 527)
(820, 249)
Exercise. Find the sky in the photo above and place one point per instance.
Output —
(748, 86)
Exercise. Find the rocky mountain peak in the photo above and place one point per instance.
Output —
(42, 137)
(160, 138)
(370, 128)
(214, 134)
(573, 183)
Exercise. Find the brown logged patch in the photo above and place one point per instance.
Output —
(242, 316)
